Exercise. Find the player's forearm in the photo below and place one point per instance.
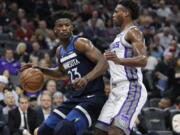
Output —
(98, 70)
(139, 61)
(52, 72)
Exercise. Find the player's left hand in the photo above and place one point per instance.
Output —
(111, 56)
(79, 83)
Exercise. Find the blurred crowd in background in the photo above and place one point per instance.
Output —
(26, 36)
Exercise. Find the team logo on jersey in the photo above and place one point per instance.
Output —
(70, 56)
(71, 63)
(115, 45)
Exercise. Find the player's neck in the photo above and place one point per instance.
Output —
(65, 42)
(126, 25)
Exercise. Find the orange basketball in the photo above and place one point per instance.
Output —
(31, 79)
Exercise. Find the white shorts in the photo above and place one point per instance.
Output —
(123, 106)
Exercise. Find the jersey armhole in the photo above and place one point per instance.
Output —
(123, 40)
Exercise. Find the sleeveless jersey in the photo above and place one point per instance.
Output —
(78, 65)
(123, 50)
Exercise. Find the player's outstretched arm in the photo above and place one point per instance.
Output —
(58, 73)
(136, 39)
(86, 47)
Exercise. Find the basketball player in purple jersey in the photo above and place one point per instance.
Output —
(126, 57)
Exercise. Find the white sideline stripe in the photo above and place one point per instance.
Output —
(86, 114)
(59, 113)
(68, 57)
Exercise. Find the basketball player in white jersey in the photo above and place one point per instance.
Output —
(126, 57)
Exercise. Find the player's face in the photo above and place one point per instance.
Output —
(119, 15)
(63, 28)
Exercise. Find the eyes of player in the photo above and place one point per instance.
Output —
(61, 25)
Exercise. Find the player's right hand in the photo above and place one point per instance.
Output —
(26, 66)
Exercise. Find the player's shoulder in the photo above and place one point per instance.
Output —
(134, 33)
(135, 30)
(82, 40)
(83, 44)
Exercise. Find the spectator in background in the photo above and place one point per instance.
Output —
(163, 11)
(110, 31)
(21, 55)
(164, 103)
(41, 8)
(3, 83)
(13, 10)
(51, 86)
(10, 85)
(42, 29)
(3, 128)
(24, 32)
(175, 17)
(43, 63)
(148, 29)
(19, 92)
(104, 13)
(45, 107)
(40, 38)
(177, 103)
(148, 71)
(51, 40)
(157, 49)
(21, 13)
(9, 63)
(176, 90)
(165, 37)
(37, 52)
(33, 101)
(11, 27)
(173, 48)
(4, 18)
(58, 98)
(164, 73)
(95, 19)
(9, 101)
(22, 120)
(50, 62)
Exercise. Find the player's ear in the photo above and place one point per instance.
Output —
(126, 13)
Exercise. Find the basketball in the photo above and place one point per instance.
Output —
(31, 79)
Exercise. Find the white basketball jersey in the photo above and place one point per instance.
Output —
(123, 50)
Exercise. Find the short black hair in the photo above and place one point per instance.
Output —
(62, 14)
(131, 6)
(23, 97)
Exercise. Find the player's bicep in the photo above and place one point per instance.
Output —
(137, 40)
(139, 49)
(93, 54)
